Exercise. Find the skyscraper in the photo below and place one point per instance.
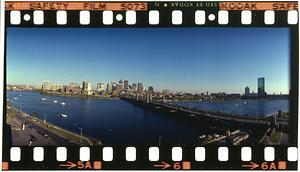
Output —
(134, 87)
(247, 91)
(114, 86)
(150, 89)
(109, 87)
(126, 84)
(261, 87)
(87, 87)
(100, 86)
(119, 87)
(140, 86)
(120, 83)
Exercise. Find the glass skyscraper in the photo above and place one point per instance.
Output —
(261, 86)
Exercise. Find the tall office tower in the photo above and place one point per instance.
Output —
(140, 86)
(87, 88)
(100, 86)
(150, 89)
(247, 91)
(261, 86)
(126, 84)
(109, 87)
(134, 86)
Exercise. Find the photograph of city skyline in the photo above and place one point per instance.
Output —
(213, 86)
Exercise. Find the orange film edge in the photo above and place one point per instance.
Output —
(5, 165)
(258, 5)
(92, 6)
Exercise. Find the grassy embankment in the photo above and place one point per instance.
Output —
(73, 137)
(10, 114)
(66, 134)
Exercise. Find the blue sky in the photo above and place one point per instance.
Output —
(179, 59)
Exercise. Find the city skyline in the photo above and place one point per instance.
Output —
(127, 85)
(207, 63)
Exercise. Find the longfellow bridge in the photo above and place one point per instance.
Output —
(273, 119)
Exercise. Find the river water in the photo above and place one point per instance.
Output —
(260, 107)
(120, 122)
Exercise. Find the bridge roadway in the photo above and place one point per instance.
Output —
(263, 120)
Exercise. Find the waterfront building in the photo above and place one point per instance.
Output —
(166, 91)
(56, 87)
(150, 89)
(126, 84)
(261, 87)
(148, 97)
(114, 86)
(46, 85)
(87, 88)
(119, 87)
(233, 96)
(71, 89)
(109, 87)
(134, 86)
(100, 87)
(74, 85)
(247, 91)
(140, 86)
(121, 83)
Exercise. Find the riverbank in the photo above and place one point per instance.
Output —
(26, 128)
(51, 93)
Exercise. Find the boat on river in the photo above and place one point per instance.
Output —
(63, 115)
(43, 99)
(55, 101)
(63, 103)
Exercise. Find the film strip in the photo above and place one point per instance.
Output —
(149, 15)
(245, 143)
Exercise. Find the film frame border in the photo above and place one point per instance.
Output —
(142, 161)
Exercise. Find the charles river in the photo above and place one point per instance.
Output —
(118, 121)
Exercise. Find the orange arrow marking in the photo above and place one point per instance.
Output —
(164, 165)
(252, 165)
(69, 165)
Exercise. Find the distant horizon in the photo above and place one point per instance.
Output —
(194, 60)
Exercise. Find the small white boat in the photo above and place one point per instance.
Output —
(20, 95)
(43, 99)
(63, 103)
(202, 137)
(63, 115)
(55, 101)
(15, 98)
